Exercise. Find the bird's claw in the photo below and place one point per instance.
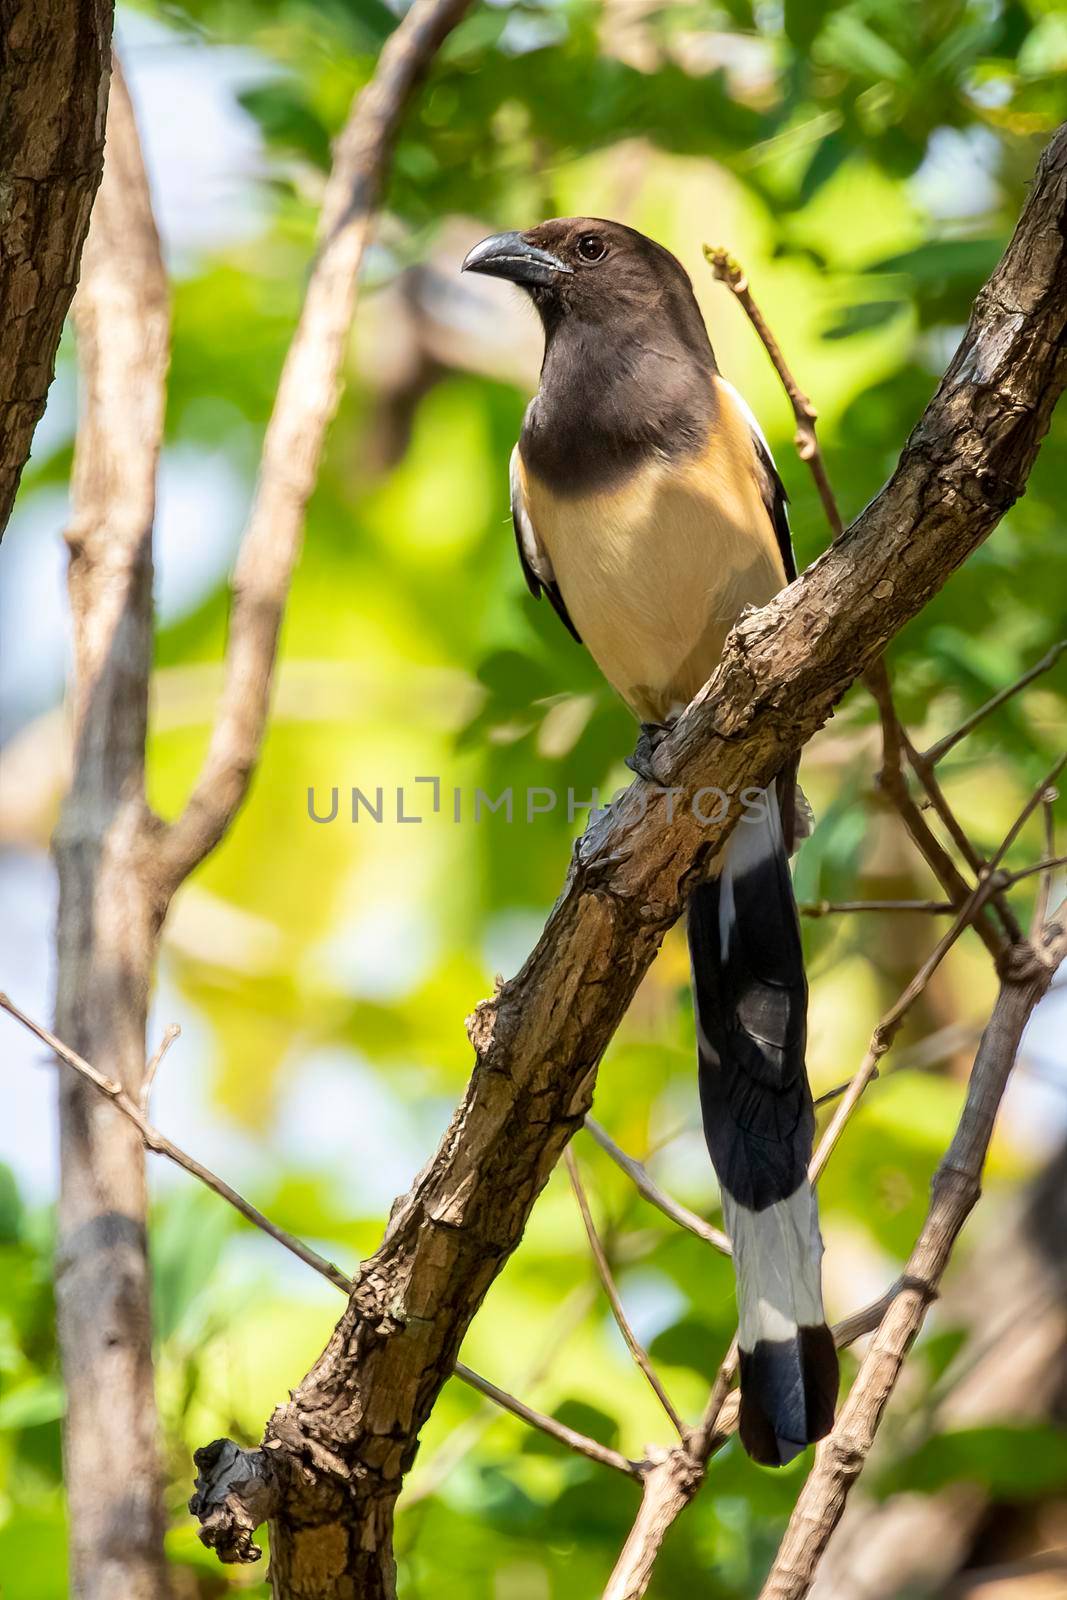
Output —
(649, 740)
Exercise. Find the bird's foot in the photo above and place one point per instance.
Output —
(649, 740)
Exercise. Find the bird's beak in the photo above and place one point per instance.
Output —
(509, 255)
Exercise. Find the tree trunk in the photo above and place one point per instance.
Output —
(55, 57)
(108, 920)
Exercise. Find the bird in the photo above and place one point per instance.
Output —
(649, 512)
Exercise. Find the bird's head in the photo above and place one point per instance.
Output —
(590, 269)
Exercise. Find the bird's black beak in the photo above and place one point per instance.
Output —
(509, 255)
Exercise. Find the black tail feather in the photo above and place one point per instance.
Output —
(750, 994)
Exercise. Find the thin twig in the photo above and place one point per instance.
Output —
(159, 1144)
(884, 1034)
(462, 1440)
(603, 1267)
(833, 908)
(893, 783)
(921, 1055)
(650, 1190)
(927, 776)
(887, 1029)
(674, 1478)
(171, 1032)
(1027, 812)
(937, 751)
(729, 271)
(550, 1425)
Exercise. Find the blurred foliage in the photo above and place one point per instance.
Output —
(866, 162)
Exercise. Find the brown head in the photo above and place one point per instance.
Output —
(598, 273)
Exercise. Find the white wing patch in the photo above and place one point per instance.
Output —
(750, 417)
(534, 555)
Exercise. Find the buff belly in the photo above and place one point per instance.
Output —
(655, 572)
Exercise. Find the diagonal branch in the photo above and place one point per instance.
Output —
(159, 1144)
(350, 1431)
(895, 739)
(889, 1026)
(649, 1190)
(303, 409)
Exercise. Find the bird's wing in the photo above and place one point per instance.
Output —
(536, 566)
(770, 484)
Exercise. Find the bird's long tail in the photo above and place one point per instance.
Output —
(751, 1001)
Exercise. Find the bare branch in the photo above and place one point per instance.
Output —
(924, 1053)
(889, 1026)
(828, 908)
(462, 1439)
(729, 271)
(559, 1431)
(650, 1190)
(674, 1478)
(618, 1311)
(303, 409)
(1036, 798)
(955, 1191)
(159, 1144)
(938, 751)
(896, 741)
(894, 784)
(931, 783)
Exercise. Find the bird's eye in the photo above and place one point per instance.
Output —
(591, 247)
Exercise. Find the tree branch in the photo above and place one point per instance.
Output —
(108, 928)
(895, 739)
(729, 271)
(56, 58)
(352, 1426)
(159, 1144)
(649, 1190)
(304, 405)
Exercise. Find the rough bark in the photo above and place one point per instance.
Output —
(340, 1448)
(55, 59)
(108, 924)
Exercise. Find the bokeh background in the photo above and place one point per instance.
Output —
(866, 162)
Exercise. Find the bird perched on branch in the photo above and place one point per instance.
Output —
(648, 510)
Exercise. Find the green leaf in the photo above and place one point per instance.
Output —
(40, 1400)
(583, 1418)
(1014, 1463)
(862, 318)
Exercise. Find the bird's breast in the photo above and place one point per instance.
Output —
(655, 570)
